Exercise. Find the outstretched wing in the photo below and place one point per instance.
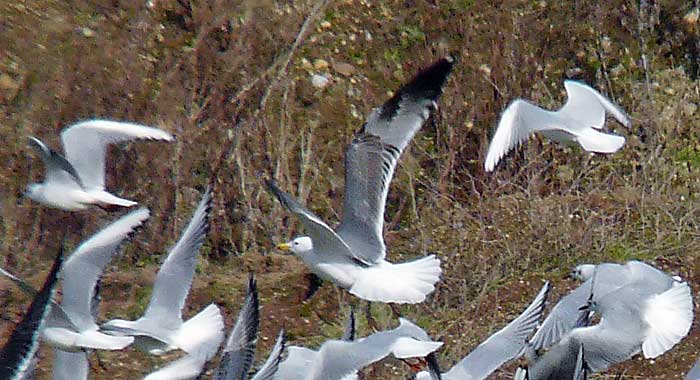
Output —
(323, 237)
(239, 352)
(269, 368)
(85, 144)
(85, 266)
(174, 277)
(371, 157)
(58, 169)
(502, 346)
(588, 106)
(520, 120)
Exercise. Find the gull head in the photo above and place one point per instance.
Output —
(583, 272)
(299, 246)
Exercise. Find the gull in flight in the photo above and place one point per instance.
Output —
(161, 328)
(608, 278)
(353, 256)
(16, 356)
(634, 318)
(80, 274)
(578, 121)
(341, 359)
(506, 344)
(77, 180)
(238, 354)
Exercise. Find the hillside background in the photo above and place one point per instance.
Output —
(232, 80)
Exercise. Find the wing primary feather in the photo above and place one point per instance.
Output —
(16, 356)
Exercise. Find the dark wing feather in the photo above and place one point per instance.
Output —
(16, 356)
(239, 352)
(57, 167)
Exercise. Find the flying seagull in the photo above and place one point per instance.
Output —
(77, 180)
(506, 344)
(578, 121)
(71, 325)
(608, 278)
(340, 359)
(634, 318)
(17, 354)
(161, 328)
(353, 256)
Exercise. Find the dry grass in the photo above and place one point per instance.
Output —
(232, 81)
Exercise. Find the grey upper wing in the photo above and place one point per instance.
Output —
(562, 318)
(502, 346)
(269, 368)
(239, 352)
(17, 354)
(370, 159)
(85, 266)
(58, 169)
(85, 145)
(323, 237)
(174, 277)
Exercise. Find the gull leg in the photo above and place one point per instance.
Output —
(315, 284)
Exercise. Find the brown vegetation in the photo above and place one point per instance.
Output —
(232, 80)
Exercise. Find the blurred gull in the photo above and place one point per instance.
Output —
(161, 328)
(694, 373)
(353, 255)
(239, 353)
(506, 344)
(16, 356)
(608, 278)
(577, 121)
(72, 327)
(77, 180)
(634, 318)
(338, 359)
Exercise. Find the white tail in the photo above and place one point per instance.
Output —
(205, 328)
(594, 141)
(669, 316)
(407, 282)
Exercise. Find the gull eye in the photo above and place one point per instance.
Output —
(296, 243)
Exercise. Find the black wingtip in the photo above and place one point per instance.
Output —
(434, 366)
(427, 84)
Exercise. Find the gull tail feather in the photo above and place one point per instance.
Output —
(207, 327)
(594, 141)
(109, 199)
(407, 282)
(669, 316)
